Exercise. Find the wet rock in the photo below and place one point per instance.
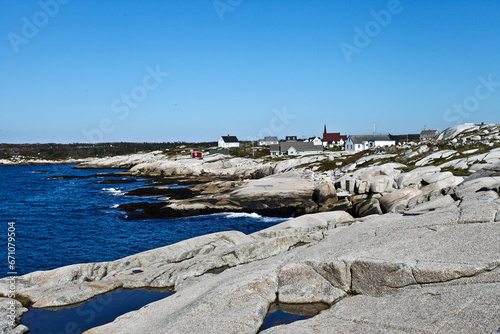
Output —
(11, 311)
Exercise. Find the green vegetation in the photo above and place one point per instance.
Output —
(76, 151)
(246, 150)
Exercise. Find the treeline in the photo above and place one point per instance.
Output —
(404, 138)
(55, 151)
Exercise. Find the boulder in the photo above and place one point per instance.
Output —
(426, 207)
(470, 186)
(413, 178)
(325, 194)
(436, 155)
(301, 284)
(381, 183)
(487, 171)
(309, 223)
(11, 311)
(454, 131)
(370, 206)
(437, 177)
(389, 200)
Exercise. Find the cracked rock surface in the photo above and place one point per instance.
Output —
(435, 270)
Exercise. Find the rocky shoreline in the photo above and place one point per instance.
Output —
(400, 241)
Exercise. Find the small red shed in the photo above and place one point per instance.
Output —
(196, 154)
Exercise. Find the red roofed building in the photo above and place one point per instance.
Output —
(333, 139)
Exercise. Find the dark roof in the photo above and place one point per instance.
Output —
(230, 139)
(343, 137)
(333, 136)
(299, 146)
(270, 138)
(359, 139)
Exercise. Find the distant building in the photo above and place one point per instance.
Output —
(315, 140)
(291, 138)
(228, 141)
(196, 154)
(295, 148)
(270, 140)
(364, 142)
(429, 135)
(331, 139)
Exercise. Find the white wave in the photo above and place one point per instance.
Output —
(115, 206)
(274, 219)
(236, 215)
(113, 191)
(241, 215)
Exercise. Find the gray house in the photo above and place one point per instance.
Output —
(429, 135)
(295, 148)
(270, 140)
(364, 142)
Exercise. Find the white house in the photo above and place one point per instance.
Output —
(228, 141)
(269, 140)
(295, 148)
(315, 140)
(357, 143)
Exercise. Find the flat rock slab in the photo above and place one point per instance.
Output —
(438, 203)
(433, 272)
(463, 309)
(276, 185)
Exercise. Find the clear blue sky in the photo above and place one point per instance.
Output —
(234, 64)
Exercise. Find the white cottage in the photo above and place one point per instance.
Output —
(269, 140)
(228, 141)
(295, 148)
(357, 143)
(315, 140)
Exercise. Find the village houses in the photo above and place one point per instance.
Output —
(364, 142)
(228, 141)
(295, 148)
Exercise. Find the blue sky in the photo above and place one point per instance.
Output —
(88, 71)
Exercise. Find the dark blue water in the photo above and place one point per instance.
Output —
(65, 221)
(280, 317)
(96, 312)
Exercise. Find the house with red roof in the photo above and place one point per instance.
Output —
(331, 139)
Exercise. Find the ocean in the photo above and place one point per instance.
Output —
(75, 219)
